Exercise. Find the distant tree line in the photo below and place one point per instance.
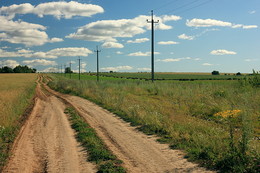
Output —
(17, 69)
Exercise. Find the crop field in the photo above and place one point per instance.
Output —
(16, 92)
(174, 76)
(215, 122)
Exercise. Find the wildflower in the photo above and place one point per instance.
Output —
(228, 113)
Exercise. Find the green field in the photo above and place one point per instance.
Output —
(216, 122)
(174, 76)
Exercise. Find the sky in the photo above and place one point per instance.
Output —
(190, 36)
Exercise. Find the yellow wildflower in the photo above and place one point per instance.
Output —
(228, 113)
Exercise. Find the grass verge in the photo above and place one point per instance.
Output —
(97, 151)
(184, 114)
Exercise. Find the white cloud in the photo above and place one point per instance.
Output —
(207, 64)
(118, 68)
(19, 32)
(252, 12)
(50, 70)
(9, 63)
(144, 69)
(167, 42)
(222, 52)
(142, 53)
(186, 37)
(167, 18)
(110, 30)
(54, 53)
(138, 40)
(112, 45)
(212, 22)
(170, 60)
(59, 9)
(119, 52)
(249, 26)
(177, 59)
(54, 40)
(39, 62)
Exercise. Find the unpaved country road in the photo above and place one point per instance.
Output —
(139, 152)
(46, 142)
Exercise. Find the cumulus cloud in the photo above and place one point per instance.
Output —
(144, 69)
(110, 30)
(212, 22)
(167, 18)
(118, 68)
(186, 37)
(19, 32)
(39, 62)
(222, 52)
(54, 53)
(207, 64)
(9, 63)
(112, 45)
(167, 42)
(141, 53)
(138, 40)
(59, 9)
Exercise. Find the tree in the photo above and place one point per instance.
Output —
(68, 70)
(215, 72)
(238, 74)
(6, 69)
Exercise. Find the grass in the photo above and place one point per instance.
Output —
(183, 114)
(173, 76)
(16, 93)
(97, 151)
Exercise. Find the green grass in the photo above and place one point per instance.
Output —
(97, 151)
(173, 76)
(182, 113)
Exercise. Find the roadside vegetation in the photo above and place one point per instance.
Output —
(16, 93)
(97, 151)
(215, 122)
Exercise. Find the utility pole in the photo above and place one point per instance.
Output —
(97, 51)
(60, 69)
(65, 70)
(152, 44)
(70, 69)
(79, 67)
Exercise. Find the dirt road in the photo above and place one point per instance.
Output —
(47, 143)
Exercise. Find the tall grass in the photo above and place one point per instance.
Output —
(183, 114)
(16, 92)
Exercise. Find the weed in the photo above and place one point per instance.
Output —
(98, 152)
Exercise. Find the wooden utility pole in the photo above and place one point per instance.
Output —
(70, 69)
(97, 51)
(79, 67)
(65, 70)
(152, 42)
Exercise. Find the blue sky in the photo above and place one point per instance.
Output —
(191, 36)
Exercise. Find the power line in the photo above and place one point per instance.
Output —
(152, 42)
(164, 5)
(187, 5)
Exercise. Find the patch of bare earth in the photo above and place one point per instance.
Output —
(46, 142)
(139, 152)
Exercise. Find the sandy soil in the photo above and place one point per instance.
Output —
(139, 152)
(46, 142)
